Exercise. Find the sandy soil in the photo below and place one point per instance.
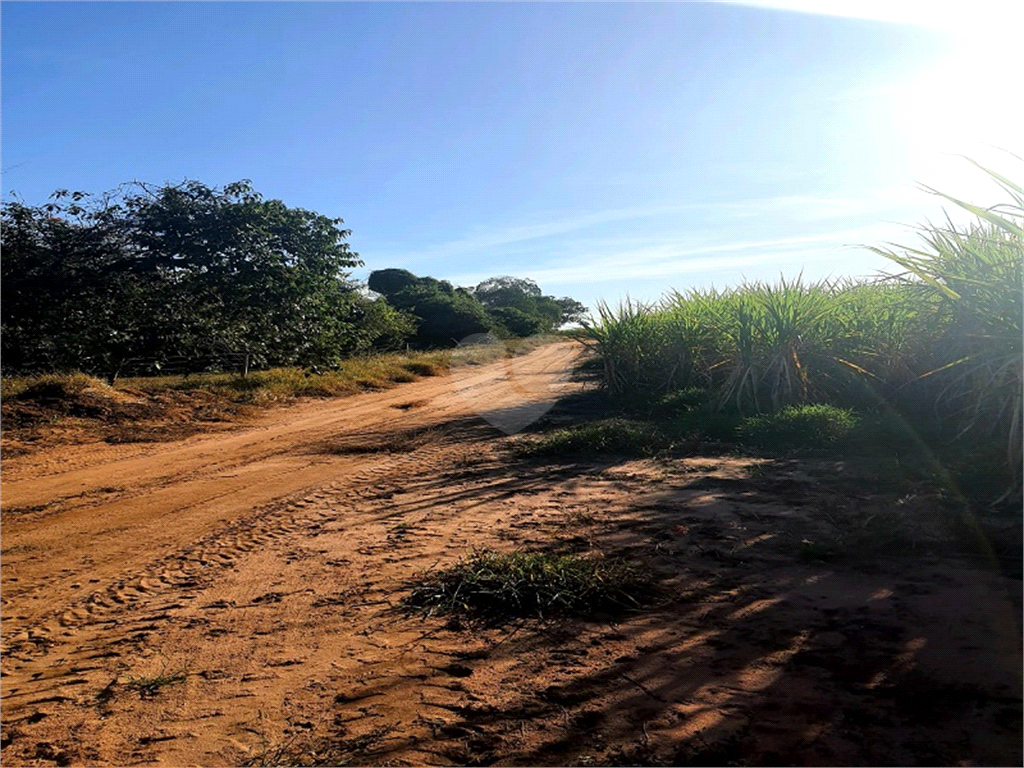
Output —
(232, 599)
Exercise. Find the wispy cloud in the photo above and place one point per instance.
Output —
(797, 210)
(491, 237)
(668, 261)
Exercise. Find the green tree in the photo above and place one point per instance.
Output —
(572, 311)
(445, 314)
(506, 291)
(378, 326)
(517, 322)
(148, 272)
(273, 276)
(74, 295)
(524, 295)
(388, 282)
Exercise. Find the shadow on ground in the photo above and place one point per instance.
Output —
(809, 620)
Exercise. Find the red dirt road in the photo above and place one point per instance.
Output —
(230, 599)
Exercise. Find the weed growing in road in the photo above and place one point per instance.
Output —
(306, 750)
(496, 586)
(151, 686)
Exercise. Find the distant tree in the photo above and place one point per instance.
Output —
(378, 326)
(525, 296)
(549, 311)
(445, 318)
(445, 314)
(506, 305)
(390, 281)
(572, 311)
(507, 291)
(517, 322)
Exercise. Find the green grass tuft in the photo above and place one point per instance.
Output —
(684, 400)
(798, 426)
(496, 586)
(150, 686)
(606, 436)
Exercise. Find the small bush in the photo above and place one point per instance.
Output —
(55, 386)
(804, 425)
(605, 436)
(496, 585)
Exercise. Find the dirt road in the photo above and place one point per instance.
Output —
(231, 599)
(103, 544)
(109, 509)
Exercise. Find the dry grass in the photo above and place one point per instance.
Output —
(369, 372)
(76, 407)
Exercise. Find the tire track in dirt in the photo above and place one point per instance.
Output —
(145, 534)
(119, 626)
(193, 566)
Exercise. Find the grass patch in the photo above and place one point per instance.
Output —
(151, 686)
(262, 387)
(798, 426)
(706, 424)
(496, 586)
(49, 387)
(893, 431)
(605, 436)
(169, 407)
(684, 400)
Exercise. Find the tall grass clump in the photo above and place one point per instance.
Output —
(785, 344)
(943, 339)
(760, 346)
(644, 348)
(972, 278)
(604, 436)
(499, 585)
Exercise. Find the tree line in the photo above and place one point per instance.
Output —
(129, 279)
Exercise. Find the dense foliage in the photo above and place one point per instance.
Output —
(134, 280)
(149, 273)
(941, 341)
(524, 296)
(446, 314)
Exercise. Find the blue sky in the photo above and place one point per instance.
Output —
(599, 148)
